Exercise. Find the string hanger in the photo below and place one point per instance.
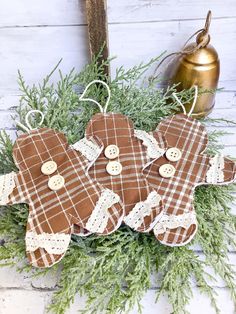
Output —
(28, 126)
(193, 105)
(102, 110)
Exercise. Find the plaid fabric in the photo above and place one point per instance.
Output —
(68, 210)
(130, 185)
(177, 192)
(55, 212)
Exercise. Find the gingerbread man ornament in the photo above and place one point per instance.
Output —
(53, 181)
(176, 174)
(119, 165)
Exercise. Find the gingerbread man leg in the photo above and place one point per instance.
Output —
(47, 238)
(178, 225)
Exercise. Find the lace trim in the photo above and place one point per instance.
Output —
(87, 148)
(97, 222)
(7, 185)
(142, 209)
(215, 173)
(53, 243)
(153, 149)
(174, 221)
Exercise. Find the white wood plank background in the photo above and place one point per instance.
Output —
(34, 35)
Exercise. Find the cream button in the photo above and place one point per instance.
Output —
(114, 168)
(167, 171)
(173, 154)
(49, 167)
(56, 182)
(111, 151)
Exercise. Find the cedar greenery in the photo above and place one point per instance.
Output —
(115, 271)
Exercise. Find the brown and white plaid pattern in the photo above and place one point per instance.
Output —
(177, 192)
(55, 212)
(130, 185)
(68, 210)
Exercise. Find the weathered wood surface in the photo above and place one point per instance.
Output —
(96, 12)
(72, 12)
(36, 34)
(26, 36)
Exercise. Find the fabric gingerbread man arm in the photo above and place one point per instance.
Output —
(217, 169)
(10, 192)
(155, 144)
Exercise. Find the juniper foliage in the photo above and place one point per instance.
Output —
(115, 271)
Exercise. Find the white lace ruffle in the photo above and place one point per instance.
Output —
(7, 185)
(53, 243)
(87, 148)
(97, 222)
(174, 221)
(215, 174)
(142, 209)
(153, 149)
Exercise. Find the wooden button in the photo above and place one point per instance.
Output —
(167, 171)
(114, 168)
(49, 167)
(111, 151)
(56, 182)
(173, 154)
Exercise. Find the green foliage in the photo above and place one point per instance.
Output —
(115, 271)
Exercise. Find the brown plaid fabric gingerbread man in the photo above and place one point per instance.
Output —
(54, 183)
(176, 174)
(119, 166)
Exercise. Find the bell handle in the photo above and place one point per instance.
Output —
(204, 38)
(208, 22)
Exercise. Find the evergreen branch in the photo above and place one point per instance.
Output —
(115, 271)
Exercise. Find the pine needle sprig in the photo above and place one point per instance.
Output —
(114, 272)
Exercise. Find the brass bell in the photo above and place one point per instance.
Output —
(198, 65)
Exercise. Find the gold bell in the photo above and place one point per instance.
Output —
(198, 65)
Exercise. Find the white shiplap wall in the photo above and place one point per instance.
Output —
(34, 35)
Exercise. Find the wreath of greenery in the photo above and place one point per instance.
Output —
(115, 271)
